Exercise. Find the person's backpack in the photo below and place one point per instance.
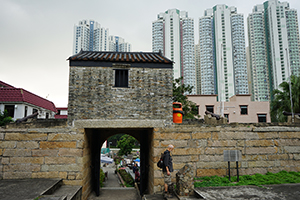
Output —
(160, 163)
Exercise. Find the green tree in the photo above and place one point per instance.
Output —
(126, 144)
(179, 95)
(4, 118)
(114, 139)
(282, 102)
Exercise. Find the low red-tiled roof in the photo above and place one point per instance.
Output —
(61, 116)
(61, 108)
(21, 95)
(5, 85)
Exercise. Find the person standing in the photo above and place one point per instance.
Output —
(167, 169)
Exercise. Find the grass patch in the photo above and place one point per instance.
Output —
(256, 179)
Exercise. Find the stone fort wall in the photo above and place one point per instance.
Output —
(264, 149)
(63, 151)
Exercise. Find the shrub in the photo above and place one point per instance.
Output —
(127, 178)
(4, 118)
(102, 177)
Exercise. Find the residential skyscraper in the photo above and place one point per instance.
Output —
(173, 35)
(118, 44)
(274, 44)
(90, 36)
(222, 53)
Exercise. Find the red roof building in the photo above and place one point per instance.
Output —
(21, 103)
(62, 113)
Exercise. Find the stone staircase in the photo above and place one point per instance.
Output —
(58, 191)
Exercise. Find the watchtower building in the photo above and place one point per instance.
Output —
(120, 85)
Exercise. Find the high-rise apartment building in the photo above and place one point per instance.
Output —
(118, 44)
(274, 44)
(90, 36)
(222, 53)
(173, 35)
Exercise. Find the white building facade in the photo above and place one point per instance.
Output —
(90, 36)
(274, 44)
(173, 35)
(222, 53)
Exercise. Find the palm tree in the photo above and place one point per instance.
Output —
(282, 102)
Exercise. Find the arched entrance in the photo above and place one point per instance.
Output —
(96, 137)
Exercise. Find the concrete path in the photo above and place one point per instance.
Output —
(112, 189)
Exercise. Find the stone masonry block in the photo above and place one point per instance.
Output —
(211, 158)
(17, 175)
(201, 135)
(212, 165)
(288, 142)
(188, 151)
(251, 171)
(173, 136)
(261, 163)
(45, 175)
(4, 161)
(70, 152)
(297, 156)
(259, 143)
(220, 150)
(1, 136)
(292, 149)
(210, 172)
(81, 144)
(64, 168)
(158, 181)
(201, 143)
(158, 174)
(32, 160)
(222, 143)
(289, 135)
(176, 143)
(60, 160)
(22, 167)
(254, 157)
(63, 175)
(259, 150)
(17, 152)
(278, 157)
(28, 145)
(56, 145)
(65, 137)
(240, 143)
(156, 143)
(7, 144)
(182, 159)
(25, 137)
(231, 135)
(44, 152)
(290, 163)
(178, 166)
(267, 135)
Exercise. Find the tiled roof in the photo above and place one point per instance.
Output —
(61, 108)
(5, 85)
(121, 57)
(21, 95)
(61, 116)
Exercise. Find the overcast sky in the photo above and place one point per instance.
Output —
(36, 36)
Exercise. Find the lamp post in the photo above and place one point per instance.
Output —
(290, 84)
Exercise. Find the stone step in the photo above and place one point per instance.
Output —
(58, 191)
